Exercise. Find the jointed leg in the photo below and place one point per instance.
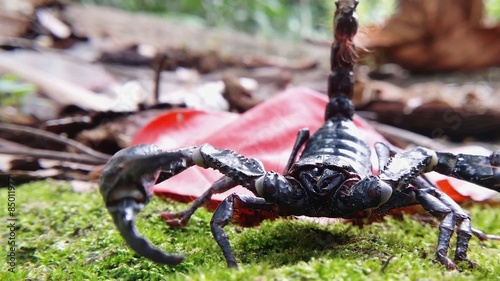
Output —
(223, 215)
(463, 222)
(405, 168)
(446, 228)
(399, 199)
(181, 219)
(302, 137)
(384, 153)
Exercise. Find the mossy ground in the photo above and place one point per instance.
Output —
(62, 235)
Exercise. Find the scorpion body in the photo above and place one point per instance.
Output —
(332, 177)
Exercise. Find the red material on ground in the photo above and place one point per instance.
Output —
(266, 132)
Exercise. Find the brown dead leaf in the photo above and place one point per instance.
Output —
(429, 35)
(13, 24)
(239, 98)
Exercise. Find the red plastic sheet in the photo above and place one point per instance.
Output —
(266, 132)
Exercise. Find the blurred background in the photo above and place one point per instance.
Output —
(289, 18)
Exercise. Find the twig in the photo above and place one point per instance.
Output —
(17, 42)
(386, 263)
(56, 138)
(158, 67)
(406, 136)
(54, 155)
(483, 236)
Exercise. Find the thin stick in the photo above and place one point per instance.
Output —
(56, 138)
(406, 136)
(158, 67)
(54, 155)
(386, 263)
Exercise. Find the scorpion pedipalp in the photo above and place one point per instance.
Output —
(129, 176)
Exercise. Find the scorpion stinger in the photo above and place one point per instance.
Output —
(332, 176)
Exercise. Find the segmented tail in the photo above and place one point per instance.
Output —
(345, 26)
(342, 59)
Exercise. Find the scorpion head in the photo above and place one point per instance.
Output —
(341, 191)
(127, 186)
(365, 194)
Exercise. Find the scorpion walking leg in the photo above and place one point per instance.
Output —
(462, 221)
(223, 215)
(483, 236)
(406, 168)
(384, 153)
(302, 137)
(182, 218)
(423, 183)
(451, 216)
(406, 197)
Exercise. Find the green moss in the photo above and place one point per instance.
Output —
(62, 235)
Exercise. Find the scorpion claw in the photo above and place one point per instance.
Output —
(127, 186)
(124, 214)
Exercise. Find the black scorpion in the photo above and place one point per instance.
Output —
(331, 178)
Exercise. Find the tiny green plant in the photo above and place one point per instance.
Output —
(12, 90)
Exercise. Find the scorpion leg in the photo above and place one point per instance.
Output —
(384, 153)
(448, 220)
(449, 214)
(405, 168)
(407, 197)
(433, 204)
(483, 236)
(462, 221)
(223, 215)
(181, 219)
(302, 137)
(438, 204)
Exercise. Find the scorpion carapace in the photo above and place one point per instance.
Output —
(332, 176)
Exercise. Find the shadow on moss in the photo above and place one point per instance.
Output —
(285, 242)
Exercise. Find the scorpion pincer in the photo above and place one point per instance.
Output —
(332, 177)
